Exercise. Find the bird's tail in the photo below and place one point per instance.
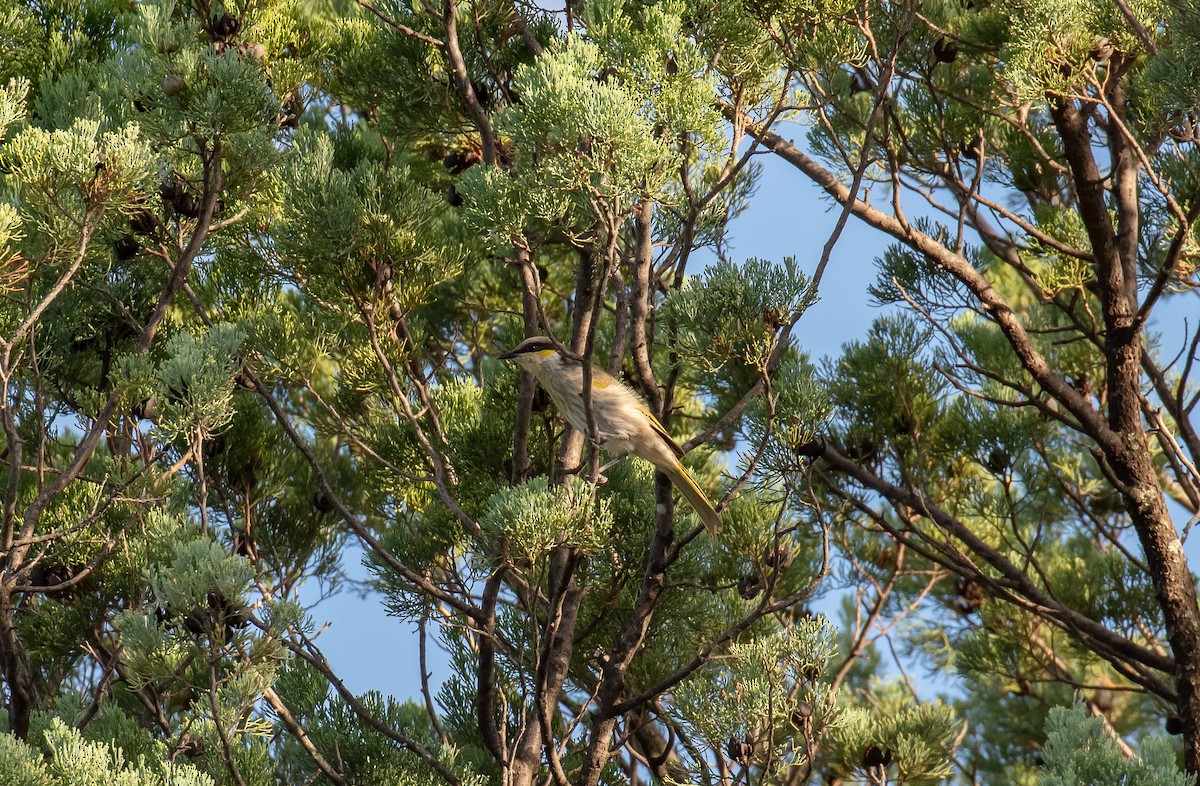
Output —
(686, 484)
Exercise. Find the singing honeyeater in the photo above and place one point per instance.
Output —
(624, 423)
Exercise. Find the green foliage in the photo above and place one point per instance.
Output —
(733, 313)
(582, 142)
(350, 227)
(200, 414)
(790, 416)
(63, 757)
(920, 737)
(536, 517)
(81, 170)
(370, 757)
(197, 382)
(759, 686)
(1079, 751)
(1048, 47)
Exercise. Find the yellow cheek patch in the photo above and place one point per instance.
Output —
(546, 352)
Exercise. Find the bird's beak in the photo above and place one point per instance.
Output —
(508, 355)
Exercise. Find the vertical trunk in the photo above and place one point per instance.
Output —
(1125, 445)
(629, 641)
(18, 677)
(1173, 584)
(553, 661)
(639, 305)
(529, 303)
(565, 595)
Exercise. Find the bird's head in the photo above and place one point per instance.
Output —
(532, 353)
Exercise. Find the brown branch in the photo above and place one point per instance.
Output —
(641, 304)
(531, 306)
(991, 300)
(485, 696)
(462, 83)
(215, 706)
(1011, 578)
(301, 735)
(390, 22)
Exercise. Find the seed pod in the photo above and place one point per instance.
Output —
(144, 409)
(126, 248)
(255, 50)
(143, 222)
(192, 747)
(802, 713)
(168, 190)
(292, 111)
(864, 451)
(772, 319)
(322, 502)
(173, 85)
(196, 622)
(973, 595)
(459, 161)
(482, 94)
(814, 448)
(740, 751)
(780, 557)
(945, 50)
(226, 26)
(243, 545)
(167, 45)
(383, 274)
(876, 756)
(998, 460)
(973, 148)
(187, 205)
(1103, 50)
(749, 586)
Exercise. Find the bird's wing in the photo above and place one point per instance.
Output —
(601, 379)
(659, 430)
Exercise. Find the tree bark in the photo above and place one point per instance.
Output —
(18, 676)
(1129, 454)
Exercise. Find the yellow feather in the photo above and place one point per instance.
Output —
(686, 484)
(662, 432)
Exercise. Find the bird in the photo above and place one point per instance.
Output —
(624, 423)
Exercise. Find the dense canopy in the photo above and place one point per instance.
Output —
(258, 261)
